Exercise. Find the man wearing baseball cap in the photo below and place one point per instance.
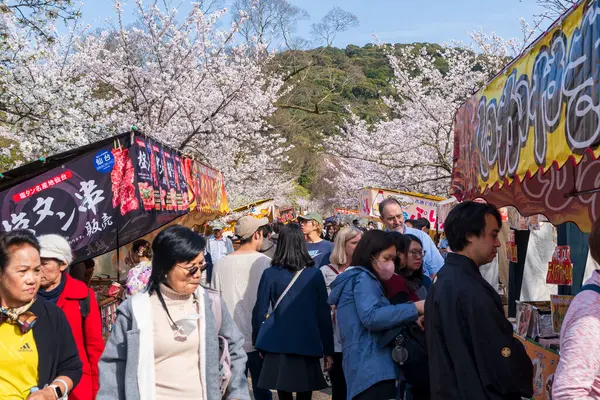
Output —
(319, 249)
(237, 276)
(218, 245)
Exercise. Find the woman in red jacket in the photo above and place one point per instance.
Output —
(78, 302)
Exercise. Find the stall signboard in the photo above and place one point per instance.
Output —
(100, 198)
(286, 215)
(545, 362)
(524, 313)
(529, 137)
(414, 205)
(345, 211)
(560, 304)
(258, 210)
(560, 269)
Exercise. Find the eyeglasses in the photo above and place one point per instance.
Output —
(399, 218)
(191, 271)
(417, 253)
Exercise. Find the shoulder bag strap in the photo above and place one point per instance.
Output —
(287, 289)
(331, 267)
(215, 305)
(592, 287)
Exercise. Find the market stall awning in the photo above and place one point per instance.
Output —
(109, 193)
(529, 138)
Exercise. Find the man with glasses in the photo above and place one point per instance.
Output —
(392, 216)
(236, 277)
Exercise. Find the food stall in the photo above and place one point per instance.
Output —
(529, 139)
(258, 209)
(105, 195)
(414, 205)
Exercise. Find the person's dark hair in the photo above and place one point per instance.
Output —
(387, 202)
(594, 241)
(436, 238)
(372, 243)
(466, 219)
(291, 252)
(416, 224)
(245, 241)
(266, 230)
(17, 238)
(403, 248)
(139, 244)
(175, 244)
(277, 226)
(425, 223)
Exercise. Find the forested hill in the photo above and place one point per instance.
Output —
(326, 83)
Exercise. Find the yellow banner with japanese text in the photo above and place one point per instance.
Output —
(530, 136)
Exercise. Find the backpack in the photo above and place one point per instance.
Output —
(224, 356)
(84, 307)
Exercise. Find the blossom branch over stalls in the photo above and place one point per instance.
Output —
(413, 149)
(177, 78)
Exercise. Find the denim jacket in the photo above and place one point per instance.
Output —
(363, 314)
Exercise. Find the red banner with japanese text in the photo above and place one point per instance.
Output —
(560, 269)
(206, 188)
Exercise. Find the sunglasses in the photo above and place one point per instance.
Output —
(191, 271)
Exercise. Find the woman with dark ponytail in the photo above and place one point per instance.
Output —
(165, 343)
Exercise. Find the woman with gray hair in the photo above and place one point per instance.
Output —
(78, 303)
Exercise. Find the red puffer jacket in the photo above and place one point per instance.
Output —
(87, 334)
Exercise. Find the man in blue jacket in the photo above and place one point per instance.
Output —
(392, 217)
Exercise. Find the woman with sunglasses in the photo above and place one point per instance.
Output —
(39, 359)
(164, 344)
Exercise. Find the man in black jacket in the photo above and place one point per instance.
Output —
(472, 351)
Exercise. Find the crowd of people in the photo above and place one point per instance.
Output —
(383, 314)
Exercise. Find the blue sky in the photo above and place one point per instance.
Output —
(399, 21)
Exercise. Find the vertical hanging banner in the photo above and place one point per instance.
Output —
(104, 195)
(146, 170)
(182, 187)
(511, 247)
(193, 187)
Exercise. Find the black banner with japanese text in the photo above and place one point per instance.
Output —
(99, 200)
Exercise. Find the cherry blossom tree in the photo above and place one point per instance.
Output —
(179, 79)
(413, 149)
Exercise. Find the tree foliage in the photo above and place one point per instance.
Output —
(178, 79)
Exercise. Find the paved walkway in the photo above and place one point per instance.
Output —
(322, 395)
